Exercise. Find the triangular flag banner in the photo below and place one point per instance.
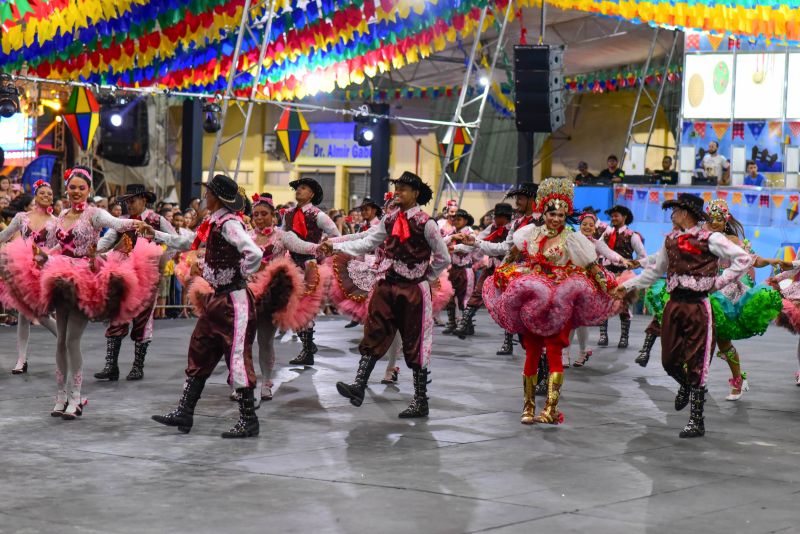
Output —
(777, 200)
(720, 128)
(693, 41)
(722, 194)
(629, 194)
(669, 195)
(619, 191)
(750, 198)
(763, 201)
(775, 129)
(715, 41)
(700, 129)
(756, 128)
(787, 253)
(641, 194)
(687, 125)
(653, 196)
(794, 198)
(794, 127)
(707, 195)
(737, 198)
(791, 213)
(738, 130)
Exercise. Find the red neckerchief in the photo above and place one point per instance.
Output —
(685, 246)
(498, 232)
(612, 239)
(400, 229)
(202, 233)
(299, 223)
(525, 221)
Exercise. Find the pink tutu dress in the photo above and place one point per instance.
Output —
(548, 290)
(115, 286)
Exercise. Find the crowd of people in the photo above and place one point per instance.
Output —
(545, 270)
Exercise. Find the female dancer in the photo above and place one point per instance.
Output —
(35, 226)
(81, 285)
(588, 227)
(555, 285)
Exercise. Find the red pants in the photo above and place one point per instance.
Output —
(533, 351)
(141, 327)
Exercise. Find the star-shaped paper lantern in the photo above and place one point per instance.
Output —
(82, 115)
(462, 143)
(292, 131)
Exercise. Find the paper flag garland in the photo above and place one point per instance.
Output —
(720, 128)
(292, 131)
(82, 115)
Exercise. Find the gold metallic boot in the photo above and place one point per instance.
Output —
(529, 404)
(550, 413)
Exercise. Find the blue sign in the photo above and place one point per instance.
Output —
(334, 140)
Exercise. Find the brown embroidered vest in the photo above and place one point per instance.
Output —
(695, 261)
(411, 258)
(222, 265)
(314, 234)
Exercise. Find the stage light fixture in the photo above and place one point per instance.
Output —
(364, 130)
(115, 120)
(9, 96)
(211, 123)
(483, 80)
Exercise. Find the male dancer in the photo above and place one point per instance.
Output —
(447, 224)
(461, 275)
(136, 199)
(624, 242)
(494, 233)
(525, 197)
(414, 255)
(689, 257)
(228, 327)
(309, 223)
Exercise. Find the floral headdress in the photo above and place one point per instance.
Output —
(718, 210)
(452, 203)
(586, 215)
(556, 192)
(264, 198)
(40, 183)
(79, 172)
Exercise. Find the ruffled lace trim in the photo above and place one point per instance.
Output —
(693, 283)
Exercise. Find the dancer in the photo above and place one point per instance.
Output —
(228, 327)
(588, 222)
(624, 242)
(551, 285)
(690, 258)
(82, 285)
(461, 275)
(414, 255)
(371, 214)
(788, 283)
(524, 196)
(35, 226)
(497, 232)
(309, 223)
(136, 198)
(447, 224)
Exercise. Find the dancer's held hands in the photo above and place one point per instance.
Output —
(325, 248)
(39, 256)
(619, 292)
(465, 239)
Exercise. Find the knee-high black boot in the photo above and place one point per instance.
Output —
(696, 428)
(306, 356)
(466, 327)
(508, 345)
(603, 341)
(644, 354)
(451, 320)
(137, 369)
(183, 416)
(419, 404)
(355, 391)
(625, 326)
(111, 371)
(247, 425)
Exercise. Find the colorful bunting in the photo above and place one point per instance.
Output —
(700, 129)
(794, 127)
(669, 195)
(756, 127)
(791, 213)
(654, 196)
(720, 128)
(707, 196)
(292, 130)
(722, 194)
(82, 116)
(738, 130)
(763, 201)
(737, 198)
(775, 128)
(777, 200)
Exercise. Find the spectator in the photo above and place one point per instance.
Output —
(584, 176)
(612, 173)
(115, 209)
(5, 186)
(665, 174)
(58, 205)
(16, 190)
(716, 167)
(166, 212)
(487, 220)
(4, 202)
(754, 177)
(101, 202)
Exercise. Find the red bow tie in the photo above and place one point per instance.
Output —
(685, 246)
(400, 229)
(299, 224)
(612, 239)
(202, 234)
(525, 221)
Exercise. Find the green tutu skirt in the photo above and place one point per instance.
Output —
(749, 316)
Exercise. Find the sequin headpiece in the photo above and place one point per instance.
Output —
(557, 192)
(718, 210)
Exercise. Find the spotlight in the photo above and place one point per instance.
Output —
(115, 120)
(9, 96)
(364, 131)
(368, 135)
(483, 81)
(212, 112)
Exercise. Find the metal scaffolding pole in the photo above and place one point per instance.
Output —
(249, 26)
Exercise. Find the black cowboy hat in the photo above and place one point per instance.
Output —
(528, 189)
(465, 214)
(313, 184)
(137, 190)
(415, 182)
(622, 210)
(590, 209)
(503, 209)
(226, 190)
(369, 203)
(690, 203)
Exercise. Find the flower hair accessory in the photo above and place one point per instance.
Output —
(452, 203)
(587, 215)
(266, 198)
(718, 210)
(40, 183)
(388, 196)
(69, 174)
(556, 192)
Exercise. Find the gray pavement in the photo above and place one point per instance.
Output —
(321, 465)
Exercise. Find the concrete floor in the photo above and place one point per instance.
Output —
(321, 465)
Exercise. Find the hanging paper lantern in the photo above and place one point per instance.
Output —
(82, 115)
(791, 213)
(462, 143)
(292, 130)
